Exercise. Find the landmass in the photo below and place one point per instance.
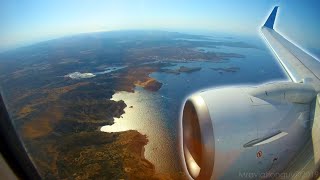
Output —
(227, 69)
(58, 117)
(182, 69)
(150, 84)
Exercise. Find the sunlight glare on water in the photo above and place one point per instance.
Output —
(146, 117)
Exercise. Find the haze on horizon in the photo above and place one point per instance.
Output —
(26, 22)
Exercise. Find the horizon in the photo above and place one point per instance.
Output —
(30, 23)
(183, 32)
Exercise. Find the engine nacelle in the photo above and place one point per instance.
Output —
(241, 132)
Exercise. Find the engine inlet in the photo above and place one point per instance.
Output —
(198, 139)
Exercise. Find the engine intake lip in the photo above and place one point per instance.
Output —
(198, 138)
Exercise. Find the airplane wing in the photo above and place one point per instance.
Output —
(299, 65)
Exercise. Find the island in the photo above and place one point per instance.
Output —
(227, 69)
(182, 69)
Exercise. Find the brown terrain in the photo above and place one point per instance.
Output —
(58, 118)
(60, 128)
(150, 84)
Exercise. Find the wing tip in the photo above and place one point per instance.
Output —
(271, 19)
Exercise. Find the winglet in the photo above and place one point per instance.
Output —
(270, 21)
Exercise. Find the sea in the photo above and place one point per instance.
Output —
(157, 114)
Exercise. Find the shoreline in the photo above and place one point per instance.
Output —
(157, 150)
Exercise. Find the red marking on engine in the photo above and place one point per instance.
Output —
(259, 154)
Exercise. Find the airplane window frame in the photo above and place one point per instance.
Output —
(12, 148)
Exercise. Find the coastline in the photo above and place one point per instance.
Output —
(150, 84)
(57, 116)
(151, 123)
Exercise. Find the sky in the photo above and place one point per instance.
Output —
(24, 22)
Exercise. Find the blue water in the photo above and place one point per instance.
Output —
(257, 67)
(156, 114)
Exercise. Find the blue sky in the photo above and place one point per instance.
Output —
(27, 21)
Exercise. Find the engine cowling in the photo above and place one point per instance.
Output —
(237, 132)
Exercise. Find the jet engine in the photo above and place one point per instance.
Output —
(245, 132)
